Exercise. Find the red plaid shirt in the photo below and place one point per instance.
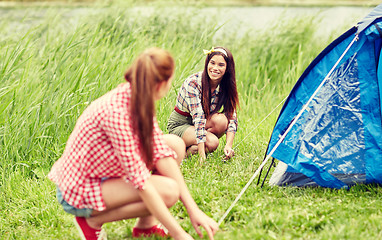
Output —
(102, 144)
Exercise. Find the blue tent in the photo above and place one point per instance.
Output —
(329, 131)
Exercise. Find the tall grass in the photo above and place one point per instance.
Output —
(52, 69)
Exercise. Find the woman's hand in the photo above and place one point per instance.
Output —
(229, 152)
(199, 218)
(201, 152)
(202, 158)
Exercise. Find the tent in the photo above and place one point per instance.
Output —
(329, 131)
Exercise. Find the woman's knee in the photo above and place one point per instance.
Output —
(212, 142)
(218, 124)
(177, 144)
(169, 191)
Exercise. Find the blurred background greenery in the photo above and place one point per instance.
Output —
(210, 2)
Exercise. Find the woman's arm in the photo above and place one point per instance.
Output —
(202, 151)
(230, 135)
(168, 167)
(228, 150)
(192, 96)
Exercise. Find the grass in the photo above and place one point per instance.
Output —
(52, 68)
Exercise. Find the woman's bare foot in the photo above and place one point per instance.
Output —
(191, 150)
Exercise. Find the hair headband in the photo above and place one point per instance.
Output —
(208, 52)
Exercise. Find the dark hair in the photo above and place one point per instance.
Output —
(153, 66)
(228, 97)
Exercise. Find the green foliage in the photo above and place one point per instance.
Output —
(58, 62)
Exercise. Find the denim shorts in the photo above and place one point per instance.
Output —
(78, 212)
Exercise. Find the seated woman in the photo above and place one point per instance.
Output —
(206, 106)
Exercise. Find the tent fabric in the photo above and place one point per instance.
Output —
(287, 176)
(370, 18)
(337, 141)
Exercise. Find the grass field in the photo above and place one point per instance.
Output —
(52, 69)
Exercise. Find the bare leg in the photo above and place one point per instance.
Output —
(177, 144)
(189, 136)
(191, 150)
(216, 126)
(123, 202)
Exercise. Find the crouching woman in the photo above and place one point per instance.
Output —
(117, 164)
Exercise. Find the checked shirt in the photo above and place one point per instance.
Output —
(189, 101)
(101, 145)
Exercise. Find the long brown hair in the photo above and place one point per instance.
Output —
(153, 66)
(228, 97)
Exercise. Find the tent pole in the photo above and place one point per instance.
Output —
(266, 175)
(287, 131)
(258, 180)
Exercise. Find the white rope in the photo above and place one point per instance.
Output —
(243, 190)
(265, 118)
(261, 122)
(286, 132)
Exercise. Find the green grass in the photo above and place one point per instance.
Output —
(52, 69)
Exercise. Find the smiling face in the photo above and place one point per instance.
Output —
(216, 68)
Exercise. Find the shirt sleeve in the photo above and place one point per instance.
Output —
(232, 125)
(193, 98)
(126, 147)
